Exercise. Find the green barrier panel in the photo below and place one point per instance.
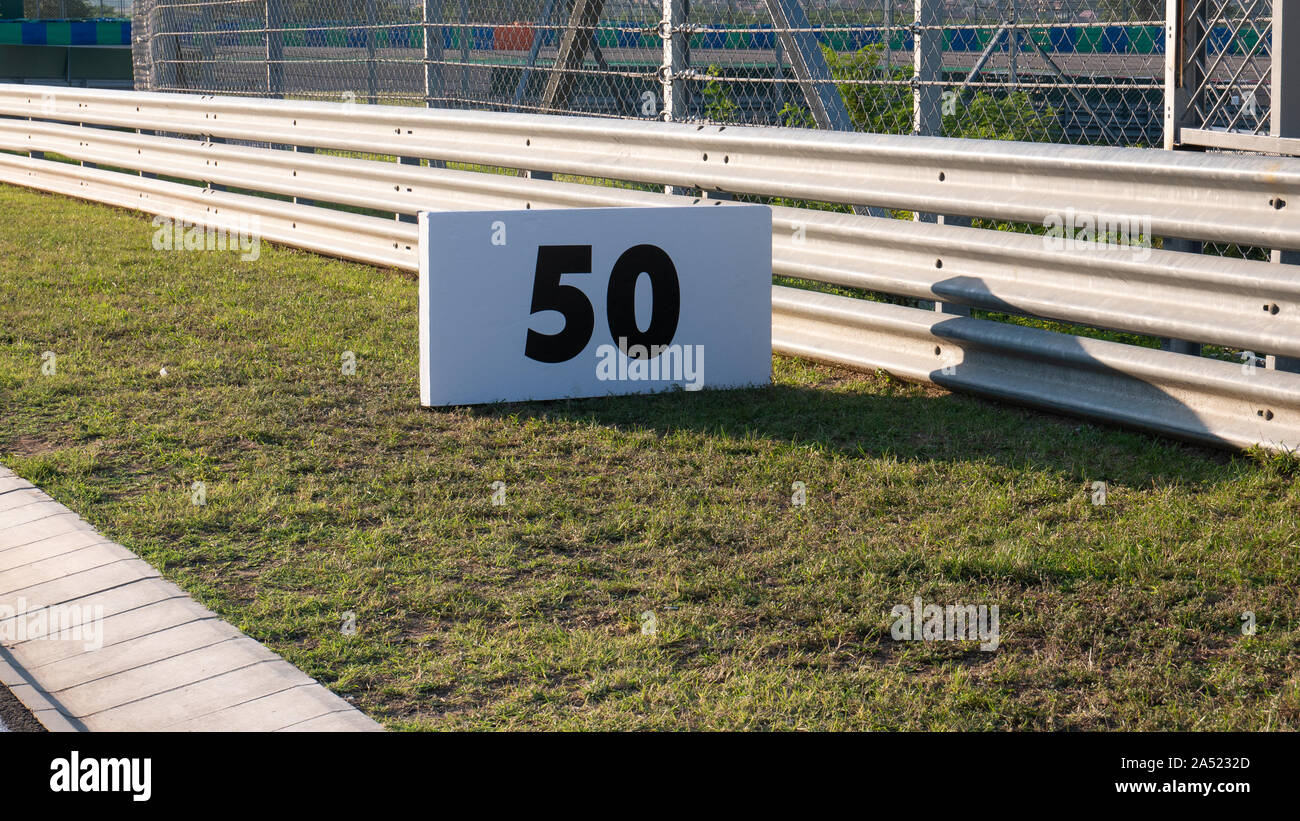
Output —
(58, 34)
(1248, 41)
(295, 38)
(11, 34)
(838, 40)
(109, 34)
(606, 38)
(899, 41)
(1142, 39)
(334, 38)
(1089, 41)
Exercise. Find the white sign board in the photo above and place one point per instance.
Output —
(553, 304)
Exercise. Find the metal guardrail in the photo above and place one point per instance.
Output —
(1174, 394)
(1187, 195)
(1234, 302)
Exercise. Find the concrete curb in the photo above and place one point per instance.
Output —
(166, 663)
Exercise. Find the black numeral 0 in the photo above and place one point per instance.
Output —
(553, 261)
(620, 299)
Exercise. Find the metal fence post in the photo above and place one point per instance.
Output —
(927, 68)
(1284, 116)
(432, 29)
(1013, 43)
(889, 38)
(1183, 66)
(465, 36)
(799, 39)
(1284, 111)
(927, 100)
(166, 49)
(372, 40)
(576, 39)
(672, 73)
(274, 48)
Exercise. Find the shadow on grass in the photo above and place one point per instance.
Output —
(864, 416)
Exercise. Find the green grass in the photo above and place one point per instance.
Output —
(330, 494)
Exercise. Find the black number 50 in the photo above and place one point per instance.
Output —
(553, 261)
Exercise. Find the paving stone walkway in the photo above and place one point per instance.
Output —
(156, 660)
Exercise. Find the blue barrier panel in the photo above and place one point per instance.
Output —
(765, 39)
(33, 34)
(1114, 40)
(354, 38)
(964, 39)
(627, 39)
(713, 37)
(862, 38)
(1062, 39)
(83, 34)
(315, 38)
(1220, 40)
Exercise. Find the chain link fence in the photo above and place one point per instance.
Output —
(1087, 72)
(1227, 69)
(75, 9)
(1076, 71)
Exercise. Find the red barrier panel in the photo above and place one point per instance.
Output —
(513, 37)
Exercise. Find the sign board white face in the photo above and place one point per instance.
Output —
(567, 303)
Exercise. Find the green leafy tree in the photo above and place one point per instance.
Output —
(886, 108)
(879, 108)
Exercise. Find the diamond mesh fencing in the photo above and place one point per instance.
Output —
(1069, 71)
(75, 9)
(1227, 65)
(1076, 71)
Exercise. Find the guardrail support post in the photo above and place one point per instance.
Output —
(304, 149)
(411, 218)
(1186, 246)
